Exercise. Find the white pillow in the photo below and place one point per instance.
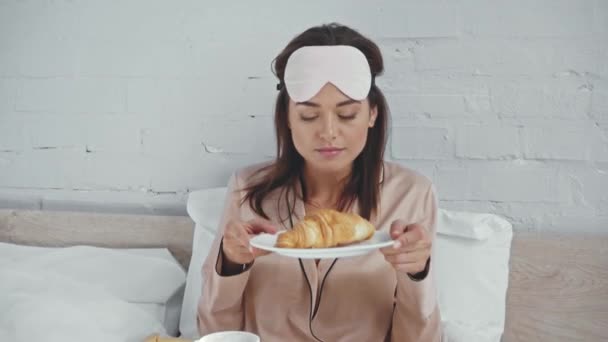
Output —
(104, 293)
(471, 266)
(472, 271)
(167, 311)
(205, 208)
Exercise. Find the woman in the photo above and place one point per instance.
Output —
(331, 122)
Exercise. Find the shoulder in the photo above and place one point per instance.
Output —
(408, 195)
(249, 185)
(246, 175)
(401, 178)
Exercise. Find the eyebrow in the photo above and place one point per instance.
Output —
(340, 104)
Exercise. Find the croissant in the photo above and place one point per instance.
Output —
(326, 228)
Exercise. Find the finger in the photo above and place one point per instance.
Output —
(391, 250)
(236, 237)
(258, 252)
(413, 234)
(238, 254)
(412, 246)
(386, 250)
(259, 225)
(243, 248)
(235, 231)
(241, 235)
(397, 228)
(252, 251)
(236, 243)
(230, 234)
(247, 252)
(420, 245)
(407, 258)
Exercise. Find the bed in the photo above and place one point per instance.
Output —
(558, 283)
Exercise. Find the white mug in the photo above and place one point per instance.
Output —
(230, 336)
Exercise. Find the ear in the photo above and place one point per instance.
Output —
(373, 114)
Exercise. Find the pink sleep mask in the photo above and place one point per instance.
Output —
(309, 68)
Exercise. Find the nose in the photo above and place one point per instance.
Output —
(328, 129)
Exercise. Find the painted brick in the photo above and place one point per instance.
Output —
(201, 98)
(53, 168)
(522, 18)
(8, 91)
(599, 101)
(117, 171)
(419, 19)
(565, 140)
(239, 136)
(85, 95)
(37, 38)
(589, 184)
(439, 105)
(398, 55)
(502, 181)
(96, 133)
(488, 142)
(566, 98)
(192, 172)
(510, 56)
(420, 143)
(12, 136)
(600, 18)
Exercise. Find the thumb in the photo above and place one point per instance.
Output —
(257, 252)
(413, 233)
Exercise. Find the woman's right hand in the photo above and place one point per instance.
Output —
(236, 248)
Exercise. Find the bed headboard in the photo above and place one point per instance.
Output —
(58, 229)
(558, 284)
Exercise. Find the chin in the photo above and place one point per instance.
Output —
(331, 165)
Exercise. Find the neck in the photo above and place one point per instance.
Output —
(324, 187)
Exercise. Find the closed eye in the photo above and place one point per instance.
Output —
(348, 117)
(308, 118)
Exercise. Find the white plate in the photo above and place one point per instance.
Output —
(267, 242)
(232, 336)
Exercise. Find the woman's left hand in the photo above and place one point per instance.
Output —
(412, 247)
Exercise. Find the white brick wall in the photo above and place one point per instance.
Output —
(420, 143)
(488, 141)
(128, 105)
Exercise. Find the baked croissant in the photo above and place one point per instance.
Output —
(326, 228)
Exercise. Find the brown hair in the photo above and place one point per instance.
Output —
(286, 170)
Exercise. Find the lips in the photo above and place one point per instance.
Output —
(330, 152)
(329, 149)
